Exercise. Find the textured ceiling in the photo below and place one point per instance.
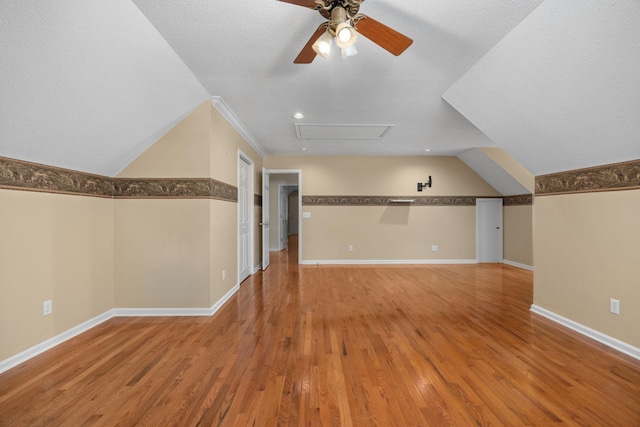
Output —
(90, 85)
(245, 55)
(562, 90)
(87, 85)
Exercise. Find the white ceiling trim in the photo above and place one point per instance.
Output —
(224, 109)
(341, 131)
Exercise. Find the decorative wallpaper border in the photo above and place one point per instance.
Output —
(518, 200)
(613, 177)
(21, 175)
(28, 176)
(222, 191)
(176, 188)
(388, 200)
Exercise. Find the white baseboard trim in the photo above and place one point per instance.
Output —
(226, 297)
(517, 264)
(614, 343)
(142, 312)
(161, 312)
(116, 312)
(257, 268)
(387, 261)
(54, 341)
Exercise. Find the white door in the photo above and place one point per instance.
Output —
(489, 230)
(284, 217)
(265, 219)
(244, 217)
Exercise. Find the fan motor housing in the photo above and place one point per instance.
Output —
(351, 7)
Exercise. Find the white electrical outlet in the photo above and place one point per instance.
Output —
(224, 274)
(47, 308)
(434, 248)
(614, 306)
(350, 248)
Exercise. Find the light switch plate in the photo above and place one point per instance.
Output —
(306, 214)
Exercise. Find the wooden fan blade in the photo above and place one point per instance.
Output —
(307, 54)
(385, 37)
(304, 3)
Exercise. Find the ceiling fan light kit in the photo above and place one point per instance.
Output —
(348, 51)
(344, 16)
(346, 35)
(322, 45)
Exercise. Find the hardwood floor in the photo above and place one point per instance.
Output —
(336, 345)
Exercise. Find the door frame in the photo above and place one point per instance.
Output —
(479, 243)
(251, 206)
(282, 243)
(281, 189)
(264, 231)
(297, 172)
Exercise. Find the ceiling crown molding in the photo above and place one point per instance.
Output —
(219, 104)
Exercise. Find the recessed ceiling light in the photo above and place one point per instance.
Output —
(426, 150)
(304, 149)
(298, 116)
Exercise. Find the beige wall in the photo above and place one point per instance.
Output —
(511, 166)
(389, 233)
(56, 247)
(173, 253)
(162, 246)
(518, 234)
(182, 153)
(92, 254)
(224, 248)
(382, 233)
(225, 143)
(586, 252)
(362, 176)
(518, 220)
(162, 253)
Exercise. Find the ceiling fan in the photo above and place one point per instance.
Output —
(344, 24)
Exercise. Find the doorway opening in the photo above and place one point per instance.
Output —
(282, 201)
(287, 214)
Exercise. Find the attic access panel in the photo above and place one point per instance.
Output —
(341, 131)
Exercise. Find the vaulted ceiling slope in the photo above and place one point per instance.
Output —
(562, 90)
(90, 85)
(244, 53)
(500, 170)
(87, 85)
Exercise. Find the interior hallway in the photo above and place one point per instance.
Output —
(335, 345)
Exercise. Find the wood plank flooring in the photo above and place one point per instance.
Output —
(335, 345)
